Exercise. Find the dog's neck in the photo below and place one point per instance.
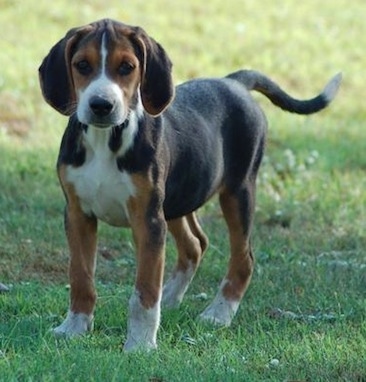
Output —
(116, 139)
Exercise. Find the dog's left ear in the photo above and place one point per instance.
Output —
(157, 90)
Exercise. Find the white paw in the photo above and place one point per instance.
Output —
(221, 311)
(75, 324)
(142, 325)
(176, 287)
(136, 345)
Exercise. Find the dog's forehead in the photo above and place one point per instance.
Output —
(112, 32)
(109, 24)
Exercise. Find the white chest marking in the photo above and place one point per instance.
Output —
(102, 188)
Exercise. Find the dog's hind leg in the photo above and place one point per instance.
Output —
(238, 210)
(191, 244)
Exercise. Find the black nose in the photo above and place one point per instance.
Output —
(101, 107)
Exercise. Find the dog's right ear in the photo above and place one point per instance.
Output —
(55, 72)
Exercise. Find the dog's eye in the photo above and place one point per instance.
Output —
(83, 67)
(125, 68)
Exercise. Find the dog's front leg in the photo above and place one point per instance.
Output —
(81, 232)
(149, 231)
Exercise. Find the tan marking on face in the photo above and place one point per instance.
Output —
(90, 54)
(122, 53)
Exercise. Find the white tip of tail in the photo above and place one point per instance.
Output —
(332, 87)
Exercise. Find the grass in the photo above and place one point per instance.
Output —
(306, 306)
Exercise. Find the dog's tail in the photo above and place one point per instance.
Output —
(254, 80)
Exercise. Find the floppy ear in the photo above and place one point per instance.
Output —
(157, 90)
(55, 73)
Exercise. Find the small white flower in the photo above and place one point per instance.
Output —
(274, 362)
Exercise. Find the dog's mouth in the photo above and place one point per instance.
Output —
(103, 126)
(114, 118)
(116, 130)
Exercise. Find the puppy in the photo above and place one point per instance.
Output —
(134, 156)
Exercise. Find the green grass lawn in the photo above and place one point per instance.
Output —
(304, 315)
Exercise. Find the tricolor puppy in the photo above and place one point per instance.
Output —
(133, 155)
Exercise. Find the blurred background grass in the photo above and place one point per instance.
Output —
(300, 44)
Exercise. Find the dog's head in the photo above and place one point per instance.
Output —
(101, 69)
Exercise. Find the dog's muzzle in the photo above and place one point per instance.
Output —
(103, 111)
